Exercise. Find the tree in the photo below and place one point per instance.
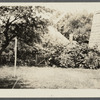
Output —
(79, 25)
(20, 22)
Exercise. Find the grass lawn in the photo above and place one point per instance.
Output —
(49, 78)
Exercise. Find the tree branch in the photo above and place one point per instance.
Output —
(13, 20)
(6, 30)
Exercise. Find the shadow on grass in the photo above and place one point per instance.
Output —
(9, 83)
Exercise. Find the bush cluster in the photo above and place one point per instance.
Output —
(79, 56)
(24, 58)
(25, 55)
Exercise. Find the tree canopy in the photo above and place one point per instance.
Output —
(78, 24)
(20, 22)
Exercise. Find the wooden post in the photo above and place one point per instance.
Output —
(15, 61)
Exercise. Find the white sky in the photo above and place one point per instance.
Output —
(74, 7)
(65, 6)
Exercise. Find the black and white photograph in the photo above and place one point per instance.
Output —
(50, 46)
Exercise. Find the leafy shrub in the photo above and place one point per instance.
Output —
(77, 57)
(92, 60)
(25, 55)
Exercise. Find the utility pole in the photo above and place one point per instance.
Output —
(15, 61)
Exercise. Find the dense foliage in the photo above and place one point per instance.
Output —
(33, 38)
(79, 24)
(76, 57)
(23, 23)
